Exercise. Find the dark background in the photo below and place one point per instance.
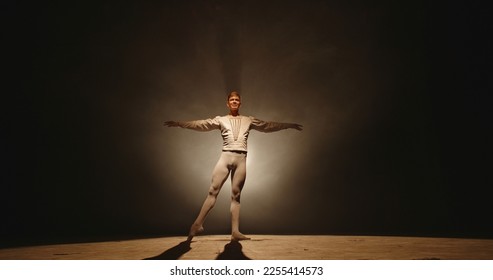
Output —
(394, 97)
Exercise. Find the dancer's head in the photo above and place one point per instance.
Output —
(234, 102)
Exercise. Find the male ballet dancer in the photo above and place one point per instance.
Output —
(234, 131)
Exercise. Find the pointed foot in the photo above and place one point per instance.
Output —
(238, 236)
(194, 230)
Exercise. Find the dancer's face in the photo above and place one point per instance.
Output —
(234, 103)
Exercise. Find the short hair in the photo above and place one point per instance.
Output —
(233, 93)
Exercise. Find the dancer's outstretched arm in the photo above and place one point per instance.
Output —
(265, 126)
(200, 125)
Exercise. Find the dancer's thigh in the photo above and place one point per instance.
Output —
(219, 174)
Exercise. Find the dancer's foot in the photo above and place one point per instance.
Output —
(195, 230)
(237, 236)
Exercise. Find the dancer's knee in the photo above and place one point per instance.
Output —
(235, 195)
(214, 190)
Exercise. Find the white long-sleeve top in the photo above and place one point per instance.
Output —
(234, 129)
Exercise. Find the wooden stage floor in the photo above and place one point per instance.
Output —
(264, 247)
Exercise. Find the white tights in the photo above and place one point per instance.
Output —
(229, 162)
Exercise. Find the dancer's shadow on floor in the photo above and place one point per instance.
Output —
(173, 253)
(232, 251)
